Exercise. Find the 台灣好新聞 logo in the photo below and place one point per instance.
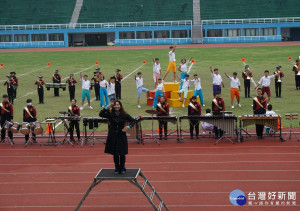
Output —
(237, 197)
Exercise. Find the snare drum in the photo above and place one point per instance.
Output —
(25, 128)
(49, 85)
(37, 128)
(7, 125)
(15, 127)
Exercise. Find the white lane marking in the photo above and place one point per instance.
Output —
(190, 67)
(132, 72)
(158, 181)
(26, 73)
(183, 171)
(158, 155)
(144, 163)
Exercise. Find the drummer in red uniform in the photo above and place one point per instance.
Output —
(29, 115)
(7, 114)
(74, 110)
(163, 110)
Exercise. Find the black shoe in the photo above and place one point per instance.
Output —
(123, 171)
(216, 136)
(191, 137)
(160, 137)
(166, 138)
(26, 142)
(197, 137)
(116, 171)
(259, 137)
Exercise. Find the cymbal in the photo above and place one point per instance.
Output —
(64, 112)
(151, 112)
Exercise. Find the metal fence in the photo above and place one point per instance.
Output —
(251, 20)
(95, 25)
(160, 41)
(40, 44)
(276, 38)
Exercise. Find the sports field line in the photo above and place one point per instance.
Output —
(29, 93)
(183, 172)
(145, 163)
(26, 73)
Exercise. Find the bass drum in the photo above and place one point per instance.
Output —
(37, 128)
(25, 128)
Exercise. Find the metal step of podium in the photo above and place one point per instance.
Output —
(131, 176)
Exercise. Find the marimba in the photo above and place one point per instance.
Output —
(226, 122)
(273, 121)
(56, 85)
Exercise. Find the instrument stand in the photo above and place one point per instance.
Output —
(10, 141)
(152, 135)
(31, 141)
(131, 176)
(66, 128)
(86, 137)
(223, 137)
(51, 137)
(291, 133)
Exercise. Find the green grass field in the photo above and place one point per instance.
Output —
(29, 65)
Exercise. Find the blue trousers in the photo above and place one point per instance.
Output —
(157, 93)
(200, 94)
(216, 88)
(182, 76)
(103, 94)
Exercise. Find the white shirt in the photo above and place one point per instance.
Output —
(172, 56)
(85, 84)
(103, 83)
(265, 81)
(183, 67)
(139, 82)
(197, 83)
(186, 83)
(160, 87)
(111, 89)
(217, 79)
(234, 83)
(156, 68)
(205, 124)
(270, 113)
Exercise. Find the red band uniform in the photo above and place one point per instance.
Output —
(7, 114)
(257, 109)
(10, 85)
(163, 124)
(56, 80)
(194, 123)
(28, 118)
(74, 111)
(216, 110)
(247, 77)
(71, 83)
(40, 88)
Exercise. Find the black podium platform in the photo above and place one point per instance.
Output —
(130, 176)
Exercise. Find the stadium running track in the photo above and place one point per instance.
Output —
(195, 175)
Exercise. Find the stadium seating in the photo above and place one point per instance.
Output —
(99, 11)
(16, 12)
(239, 9)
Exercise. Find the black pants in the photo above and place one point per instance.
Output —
(297, 79)
(118, 90)
(278, 88)
(71, 129)
(10, 93)
(119, 161)
(72, 92)
(259, 130)
(56, 91)
(217, 132)
(3, 131)
(194, 124)
(97, 91)
(163, 124)
(15, 93)
(247, 87)
(41, 94)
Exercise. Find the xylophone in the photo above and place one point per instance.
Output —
(56, 85)
(273, 121)
(227, 122)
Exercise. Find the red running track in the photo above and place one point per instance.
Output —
(152, 47)
(195, 175)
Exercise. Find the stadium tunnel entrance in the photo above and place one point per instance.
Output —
(91, 39)
(290, 34)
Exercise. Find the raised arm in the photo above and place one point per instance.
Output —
(80, 75)
(210, 67)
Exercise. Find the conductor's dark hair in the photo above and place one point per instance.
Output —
(122, 111)
(193, 98)
(217, 93)
(5, 96)
(207, 111)
(270, 107)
